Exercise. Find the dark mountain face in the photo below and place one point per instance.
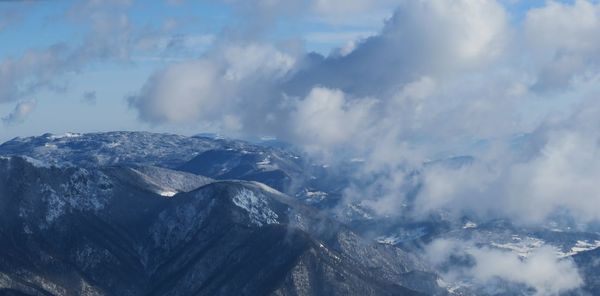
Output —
(148, 214)
(118, 231)
(589, 266)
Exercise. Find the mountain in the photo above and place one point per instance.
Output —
(214, 157)
(121, 230)
(134, 213)
(102, 149)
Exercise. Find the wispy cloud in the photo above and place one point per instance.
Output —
(491, 269)
(20, 113)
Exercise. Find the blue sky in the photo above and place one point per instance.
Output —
(191, 28)
(37, 25)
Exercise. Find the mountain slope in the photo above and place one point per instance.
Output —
(109, 231)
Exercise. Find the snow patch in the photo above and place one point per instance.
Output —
(359, 160)
(389, 240)
(112, 144)
(407, 235)
(264, 162)
(84, 191)
(167, 193)
(65, 135)
(522, 247)
(256, 206)
(56, 204)
(355, 209)
(36, 163)
(469, 224)
(266, 188)
(316, 194)
(582, 246)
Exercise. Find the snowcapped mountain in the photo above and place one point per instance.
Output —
(102, 149)
(129, 213)
(213, 157)
(113, 231)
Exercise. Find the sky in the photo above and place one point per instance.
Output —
(71, 65)
(395, 84)
(511, 86)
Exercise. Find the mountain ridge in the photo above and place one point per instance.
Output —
(116, 248)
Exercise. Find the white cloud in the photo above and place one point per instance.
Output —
(108, 38)
(562, 38)
(541, 270)
(554, 171)
(211, 88)
(20, 113)
(183, 93)
(562, 176)
(326, 120)
(439, 77)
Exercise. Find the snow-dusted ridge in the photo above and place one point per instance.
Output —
(256, 205)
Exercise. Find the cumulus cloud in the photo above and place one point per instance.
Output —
(423, 38)
(561, 37)
(326, 119)
(551, 171)
(213, 89)
(406, 49)
(441, 78)
(20, 113)
(485, 266)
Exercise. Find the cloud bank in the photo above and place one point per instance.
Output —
(441, 78)
(487, 267)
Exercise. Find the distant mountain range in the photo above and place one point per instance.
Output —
(133, 213)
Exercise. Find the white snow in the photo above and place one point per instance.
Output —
(65, 135)
(469, 224)
(357, 209)
(266, 188)
(113, 144)
(389, 240)
(36, 163)
(56, 204)
(316, 196)
(315, 193)
(266, 164)
(167, 193)
(522, 247)
(582, 246)
(256, 206)
(452, 288)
